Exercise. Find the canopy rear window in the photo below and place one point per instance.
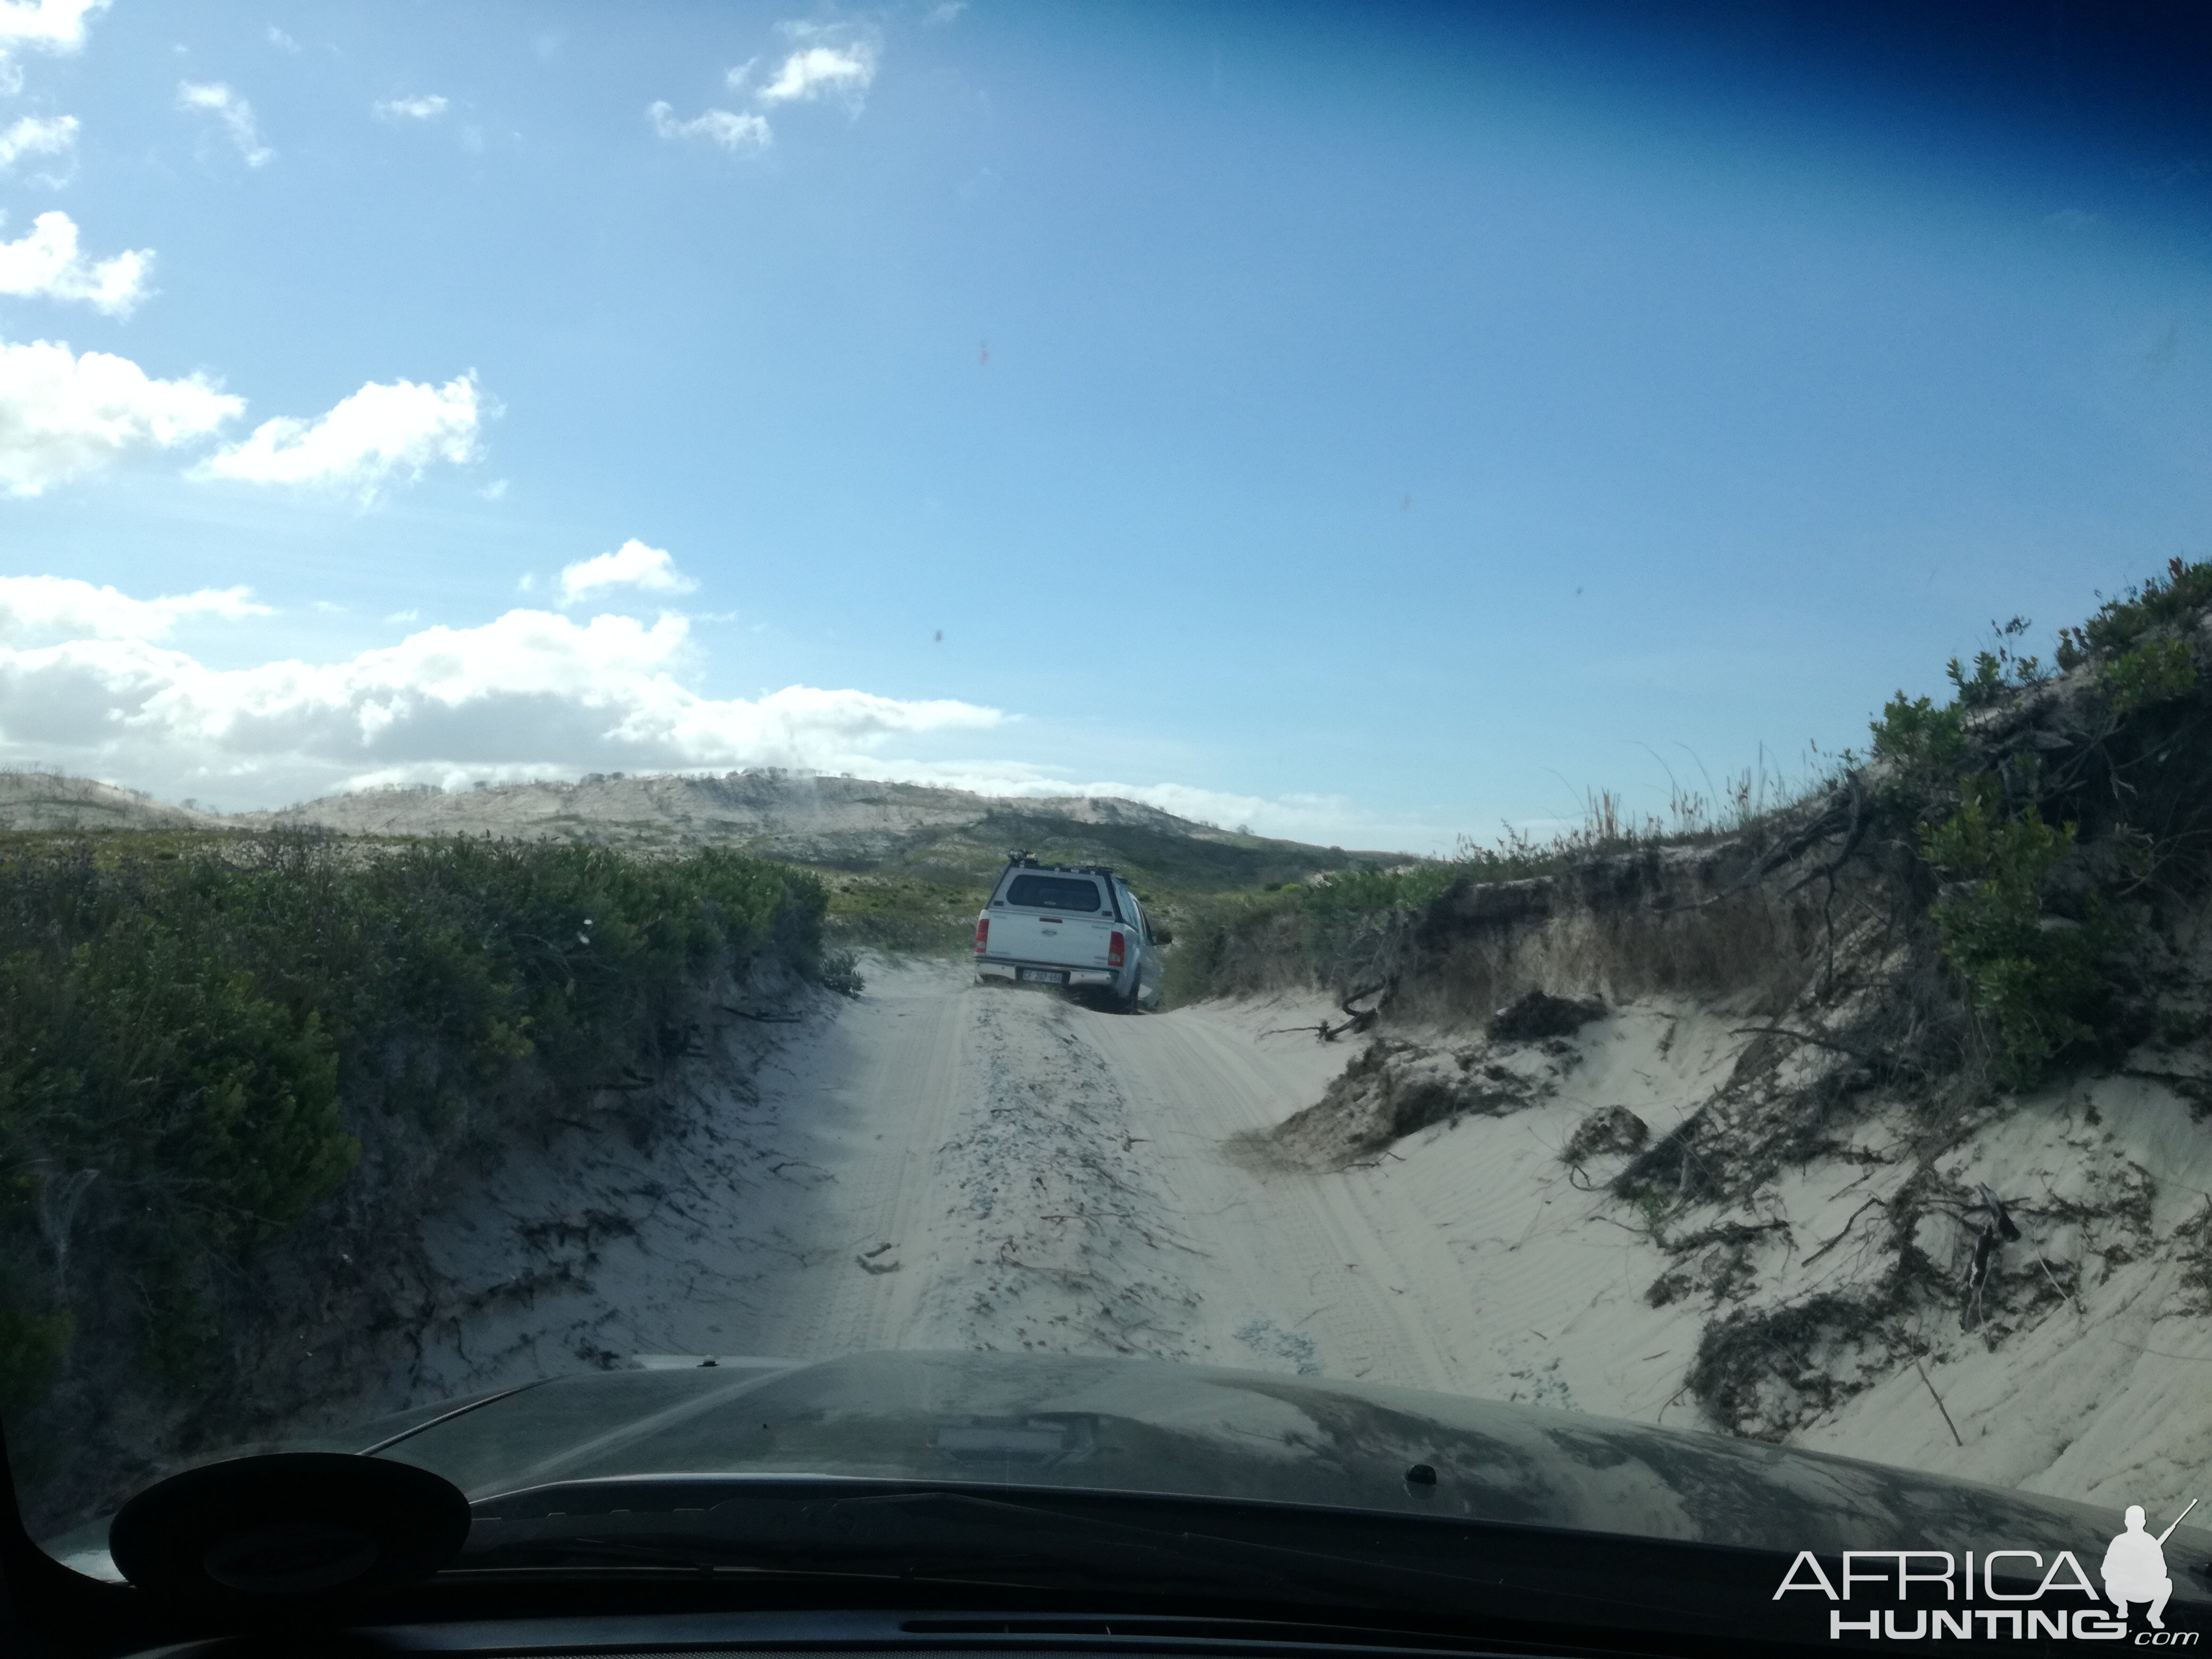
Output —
(1055, 892)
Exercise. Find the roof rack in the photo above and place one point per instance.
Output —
(1028, 860)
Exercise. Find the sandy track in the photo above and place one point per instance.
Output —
(942, 1165)
(939, 1164)
(1031, 1173)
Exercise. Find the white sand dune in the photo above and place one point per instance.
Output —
(941, 1165)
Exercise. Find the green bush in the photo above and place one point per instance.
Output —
(1997, 670)
(1221, 939)
(1982, 687)
(2037, 977)
(1925, 743)
(2184, 590)
(2155, 671)
(198, 1024)
(1340, 908)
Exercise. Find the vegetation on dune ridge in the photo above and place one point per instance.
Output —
(2042, 812)
(2007, 893)
(2035, 903)
(2053, 817)
(198, 1034)
(1343, 930)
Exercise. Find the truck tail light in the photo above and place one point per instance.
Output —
(982, 934)
(1117, 949)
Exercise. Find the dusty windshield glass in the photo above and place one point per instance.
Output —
(1575, 638)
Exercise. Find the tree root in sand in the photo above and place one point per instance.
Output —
(1356, 1019)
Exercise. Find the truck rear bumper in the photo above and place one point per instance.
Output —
(1043, 973)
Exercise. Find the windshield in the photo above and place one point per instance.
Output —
(1624, 751)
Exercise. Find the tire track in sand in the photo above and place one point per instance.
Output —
(1050, 1178)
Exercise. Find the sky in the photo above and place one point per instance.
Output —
(1369, 424)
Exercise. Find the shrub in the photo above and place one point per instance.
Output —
(1347, 913)
(2155, 671)
(2036, 977)
(2184, 589)
(1230, 943)
(187, 1030)
(1997, 670)
(1923, 743)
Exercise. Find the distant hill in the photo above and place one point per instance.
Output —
(47, 801)
(853, 824)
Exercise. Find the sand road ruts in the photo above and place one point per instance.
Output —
(940, 1164)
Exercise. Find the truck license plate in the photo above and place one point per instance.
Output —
(1041, 976)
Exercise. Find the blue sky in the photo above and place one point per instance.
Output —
(1368, 424)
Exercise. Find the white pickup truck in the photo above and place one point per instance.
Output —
(1074, 925)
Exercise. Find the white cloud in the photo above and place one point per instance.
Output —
(404, 616)
(732, 131)
(53, 25)
(945, 12)
(832, 61)
(37, 135)
(57, 26)
(281, 41)
(379, 432)
(62, 414)
(65, 606)
(45, 263)
(531, 692)
(425, 108)
(234, 112)
(631, 565)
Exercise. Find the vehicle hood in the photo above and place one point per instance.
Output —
(1139, 1427)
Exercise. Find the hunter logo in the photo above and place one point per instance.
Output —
(2134, 1572)
(2134, 1566)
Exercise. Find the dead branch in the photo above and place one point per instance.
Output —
(1358, 1019)
(1847, 1227)
(1854, 832)
(2061, 1289)
(1938, 1399)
